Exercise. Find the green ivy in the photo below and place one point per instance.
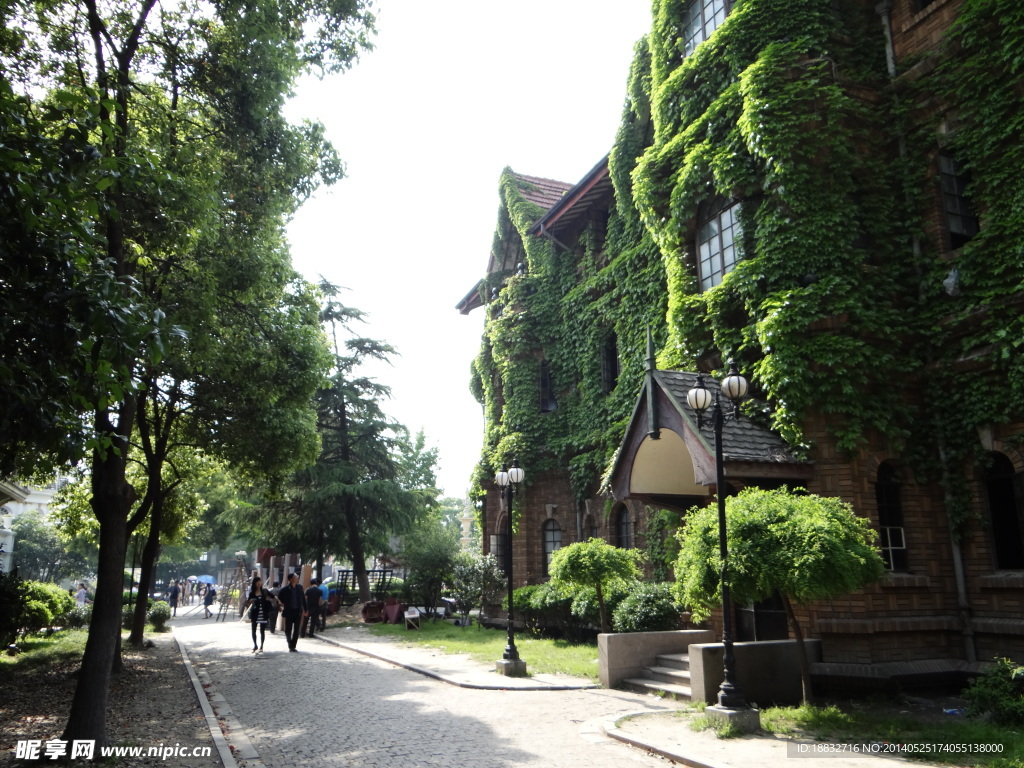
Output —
(838, 303)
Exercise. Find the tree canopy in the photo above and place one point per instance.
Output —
(597, 564)
(151, 179)
(802, 547)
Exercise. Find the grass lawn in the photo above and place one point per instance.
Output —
(949, 739)
(542, 656)
(41, 651)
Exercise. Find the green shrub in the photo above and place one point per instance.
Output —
(130, 598)
(585, 606)
(12, 598)
(57, 601)
(36, 616)
(127, 616)
(649, 607)
(77, 617)
(159, 615)
(998, 693)
(544, 609)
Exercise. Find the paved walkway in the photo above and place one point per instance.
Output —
(349, 698)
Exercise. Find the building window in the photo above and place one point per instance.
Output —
(623, 528)
(609, 364)
(961, 222)
(548, 402)
(552, 542)
(1004, 491)
(499, 548)
(700, 19)
(920, 5)
(890, 518)
(718, 236)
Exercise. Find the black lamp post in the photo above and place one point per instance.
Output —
(734, 387)
(507, 481)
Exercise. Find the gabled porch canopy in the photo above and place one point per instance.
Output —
(664, 459)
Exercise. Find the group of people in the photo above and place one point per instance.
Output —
(304, 611)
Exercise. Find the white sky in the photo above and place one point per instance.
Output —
(452, 93)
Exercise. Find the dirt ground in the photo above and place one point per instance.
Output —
(152, 704)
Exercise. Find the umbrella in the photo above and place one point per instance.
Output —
(206, 579)
(192, 578)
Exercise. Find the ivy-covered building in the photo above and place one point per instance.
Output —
(829, 193)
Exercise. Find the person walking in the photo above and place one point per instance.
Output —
(325, 595)
(211, 593)
(312, 617)
(275, 607)
(293, 606)
(259, 606)
(81, 597)
(173, 594)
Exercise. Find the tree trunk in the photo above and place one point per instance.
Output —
(112, 498)
(149, 556)
(805, 666)
(605, 627)
(355, 550)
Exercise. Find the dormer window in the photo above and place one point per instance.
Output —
(718, 237)
(700, 19)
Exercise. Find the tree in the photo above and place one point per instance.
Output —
(597, 564)
(126, 72)
(69, 315)
(476, 582)
(429, 554)
(802, 547)
(369, 484)
(41, 553)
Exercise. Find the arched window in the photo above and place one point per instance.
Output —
(1004, 491)
(552, 542)
(623, 528)
(890, 518)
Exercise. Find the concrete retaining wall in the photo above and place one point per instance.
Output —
(623, 655)
(767, 672)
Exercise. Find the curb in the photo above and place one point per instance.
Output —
(613, 732)
(223, 716)
(223, 748)
(453, 681)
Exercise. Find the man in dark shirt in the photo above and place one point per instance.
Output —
(293, 606)
(313, 597)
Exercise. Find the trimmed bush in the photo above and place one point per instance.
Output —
(159, 615)
(586, 608)
(36, 616)
(647, 608)
(56, 601)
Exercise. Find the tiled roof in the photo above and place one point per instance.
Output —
(567, 213)
(542, 192)
(742, 439)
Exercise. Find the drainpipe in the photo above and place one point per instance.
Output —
(884, 10)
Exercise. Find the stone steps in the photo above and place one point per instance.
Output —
(668, 676)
